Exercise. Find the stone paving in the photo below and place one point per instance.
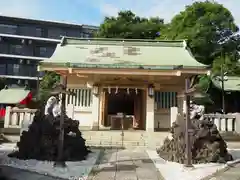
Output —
(129, 164)
(231, 174)
(233, 145)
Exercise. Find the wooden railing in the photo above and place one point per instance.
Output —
(14, 117)
(224, 122)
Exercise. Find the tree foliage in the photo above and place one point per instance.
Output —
(205, 25)
(225, 64)
(227, 55)
(47, 83)
(128, 25)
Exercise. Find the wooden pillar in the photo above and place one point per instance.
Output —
(103, 107)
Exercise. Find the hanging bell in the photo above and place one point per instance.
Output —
(109, 90)
(128, 92)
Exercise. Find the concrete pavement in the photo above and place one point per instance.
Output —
(233, 173)
(114, 164)
(130, 164)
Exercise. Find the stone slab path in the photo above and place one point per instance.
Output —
(232, 173)
(129, 164)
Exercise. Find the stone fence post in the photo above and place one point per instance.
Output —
(7, 117)
(237, 122)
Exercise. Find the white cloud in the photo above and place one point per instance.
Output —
(20, 8)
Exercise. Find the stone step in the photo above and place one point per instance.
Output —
(114, 139)
(116, 143)
(119, 138)
(114, 135)
(112, 132)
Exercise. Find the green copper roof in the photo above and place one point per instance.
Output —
(119, 53)
(231, 84)
(13, 95)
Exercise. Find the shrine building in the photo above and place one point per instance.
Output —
(110, 77)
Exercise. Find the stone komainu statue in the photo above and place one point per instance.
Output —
(53, 107)
(196, 111)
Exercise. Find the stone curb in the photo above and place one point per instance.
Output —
(227, 167)
(95, 167)
(49, 175)
(32, 172)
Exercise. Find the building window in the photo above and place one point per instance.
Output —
(16, 49)
(56, 33)
(39, 32)
(82, 97)
(32, 70)
(8, 29)
(63, 33)
(3, 69)
(165, 100)
(86, 35)
(4, 48)
(72, 33)
(16, 69)
(42, 51)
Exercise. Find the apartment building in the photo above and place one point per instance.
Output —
(25, 42)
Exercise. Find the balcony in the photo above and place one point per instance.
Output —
(32, 38)
(12, 56)
(23, 48)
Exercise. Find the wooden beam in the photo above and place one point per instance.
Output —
(110, 71)
(62, 72)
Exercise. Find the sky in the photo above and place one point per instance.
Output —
(92, 12)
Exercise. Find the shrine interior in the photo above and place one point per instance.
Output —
(123, 101)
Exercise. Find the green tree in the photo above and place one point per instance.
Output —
(227, 54)
(204, 25)
(128, 25)
(47, 83)
(225, 64)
